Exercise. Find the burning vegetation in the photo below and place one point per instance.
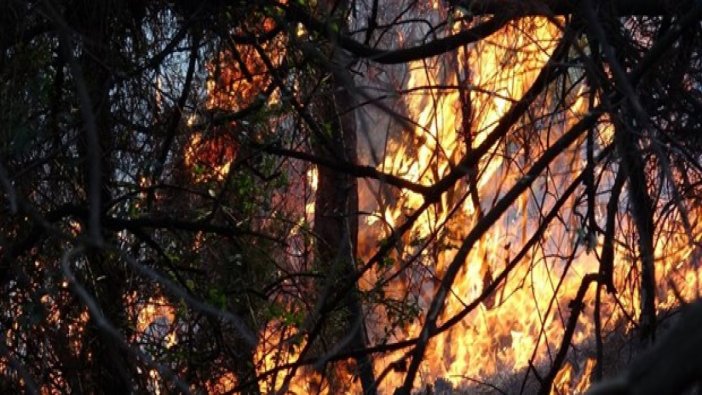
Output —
(327, 197)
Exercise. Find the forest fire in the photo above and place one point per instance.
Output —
(519, 323)
(399, 197)
(516, 327)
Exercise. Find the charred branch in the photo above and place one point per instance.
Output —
(555, 7)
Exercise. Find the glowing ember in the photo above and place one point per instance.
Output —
(209, 157)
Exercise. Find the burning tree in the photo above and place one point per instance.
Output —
(348, 196)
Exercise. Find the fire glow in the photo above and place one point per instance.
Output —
(520, 324)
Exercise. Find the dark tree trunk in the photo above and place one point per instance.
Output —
(336, 209)
(336, 224)
(642, 210)
(109, 365)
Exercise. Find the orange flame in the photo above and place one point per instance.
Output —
(524, 320)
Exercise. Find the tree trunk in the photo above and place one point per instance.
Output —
(110, 366)
(336, 209)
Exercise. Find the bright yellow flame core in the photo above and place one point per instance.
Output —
(491, 340)
(524, 322)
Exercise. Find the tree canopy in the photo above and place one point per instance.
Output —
(356, 196)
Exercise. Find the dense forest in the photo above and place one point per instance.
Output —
(350, 196)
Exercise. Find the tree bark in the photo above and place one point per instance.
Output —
(336, 221)
(336, 206)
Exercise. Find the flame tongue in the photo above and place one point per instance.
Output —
(500, 335)
(520, 324)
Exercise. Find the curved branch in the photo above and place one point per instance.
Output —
(560, 7)
(404, 55)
